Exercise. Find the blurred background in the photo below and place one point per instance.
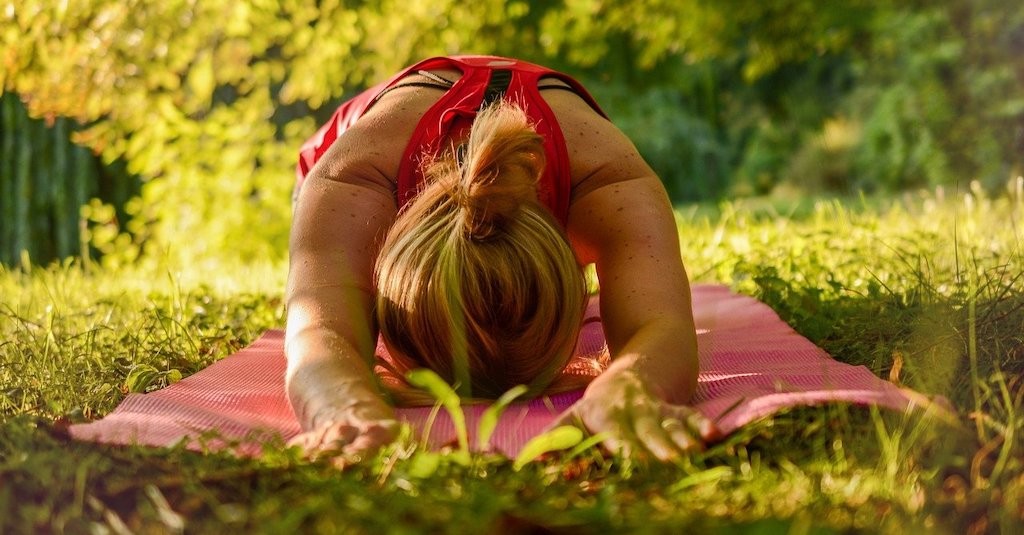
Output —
(168, 129)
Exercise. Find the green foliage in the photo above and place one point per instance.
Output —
(446, 397)
(207, 103)
(144, 378)
(851, 268)
(184, 93)
(910, 105)
(874, 281)
(557, 439)
(44, 182)
(936, 97)
(680, 142)
(491, 415)
(560, 438)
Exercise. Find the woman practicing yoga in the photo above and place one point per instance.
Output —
(452, 209)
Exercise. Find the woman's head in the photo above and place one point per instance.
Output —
(476, 280)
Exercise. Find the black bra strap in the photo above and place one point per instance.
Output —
(562, 87)
(435, 77)
(411, 84)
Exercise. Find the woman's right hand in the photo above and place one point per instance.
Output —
(348, 427)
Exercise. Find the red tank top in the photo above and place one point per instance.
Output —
(483, 78)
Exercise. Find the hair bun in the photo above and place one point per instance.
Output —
(498, 171)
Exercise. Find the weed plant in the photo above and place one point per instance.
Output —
(925, 290)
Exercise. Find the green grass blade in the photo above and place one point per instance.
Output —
(559, 438)
(710, 475)
(489, 419)
(586, 444)
(446, 396)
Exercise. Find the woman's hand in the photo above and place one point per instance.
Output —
(636, 422)
(359, 425)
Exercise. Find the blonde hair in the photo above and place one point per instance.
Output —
(475, 279)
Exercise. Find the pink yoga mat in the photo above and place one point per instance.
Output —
(752, 365)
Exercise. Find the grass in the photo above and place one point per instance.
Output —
(924, 290)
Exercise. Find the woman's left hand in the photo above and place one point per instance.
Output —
(636, 422)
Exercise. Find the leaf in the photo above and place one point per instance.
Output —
(585, 445)
(489, 419)
(559, 438)
(446, 396)
(705, 476)
(140, 377)
(424, 464)
(201, 80)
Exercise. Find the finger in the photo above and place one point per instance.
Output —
(651, 435)
(684, 438)
(615, 445)
(331, 440)
(310, 441)
(339, 435)
(373, 438)
(624, 429)
(302, 441)
(684, 426)
(703, 426)
(681, 436)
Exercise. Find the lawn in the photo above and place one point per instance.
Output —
(926, 290)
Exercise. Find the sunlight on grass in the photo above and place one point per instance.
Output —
(926, 290)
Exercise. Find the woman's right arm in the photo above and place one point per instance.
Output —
(338, 225)
(342, 214)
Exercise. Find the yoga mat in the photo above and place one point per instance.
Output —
(751, 365)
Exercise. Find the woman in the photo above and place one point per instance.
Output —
(455, 215)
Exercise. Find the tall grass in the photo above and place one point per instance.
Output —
(925, 290)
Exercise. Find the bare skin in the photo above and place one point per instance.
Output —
(625, 226)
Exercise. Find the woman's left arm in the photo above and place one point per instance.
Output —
(628, 230)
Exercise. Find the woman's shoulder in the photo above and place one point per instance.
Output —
(599, 153)
(375, 143)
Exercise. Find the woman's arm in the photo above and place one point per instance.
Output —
(341, 216)
(330, 337)
(627, 229)
(343, 212)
